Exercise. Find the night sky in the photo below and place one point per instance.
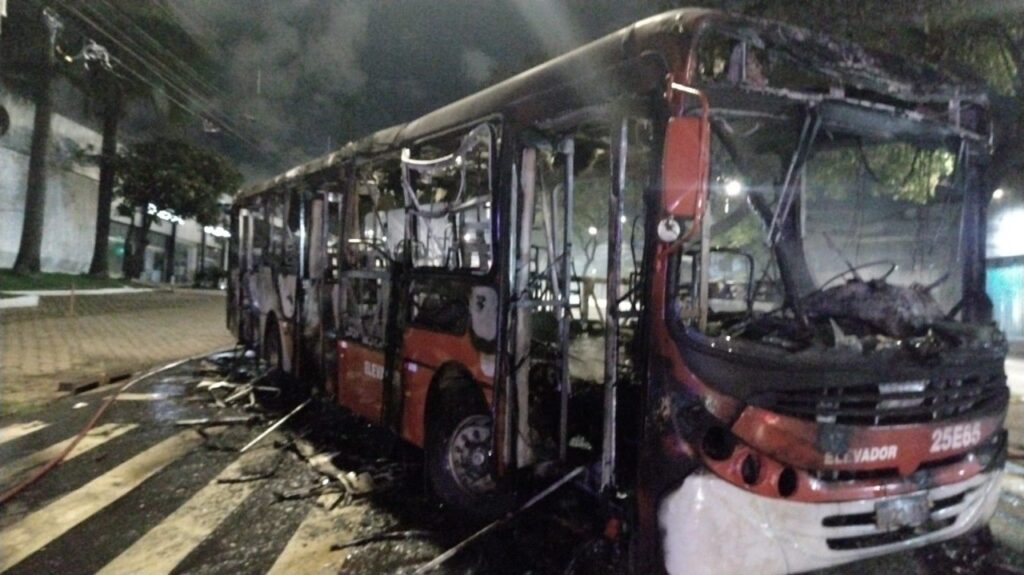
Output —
(301, 77)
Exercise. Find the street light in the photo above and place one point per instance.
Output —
(733, 188)
(998, 194)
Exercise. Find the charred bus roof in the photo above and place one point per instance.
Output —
(636, 60)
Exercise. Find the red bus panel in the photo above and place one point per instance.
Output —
(361, 379)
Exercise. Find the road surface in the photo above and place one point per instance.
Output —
(143, 494)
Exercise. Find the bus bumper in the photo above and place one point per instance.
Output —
(712, 527)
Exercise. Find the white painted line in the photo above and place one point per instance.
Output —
(15, 471)
(41, 527)
(162, 548)
(309, 549)
(12, 432)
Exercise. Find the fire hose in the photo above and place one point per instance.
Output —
(39, 473)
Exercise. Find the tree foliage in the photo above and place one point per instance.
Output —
(142, 60)
(24, 48)
(175, 176)
(170, 175)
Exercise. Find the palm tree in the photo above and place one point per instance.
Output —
(28, 46)
(142, 57)
(111, 110)
(145, 53)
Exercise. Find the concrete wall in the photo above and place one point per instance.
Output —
(71, 194)
(70, 191)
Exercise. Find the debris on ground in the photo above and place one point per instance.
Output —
(225, 393)
(255, 475)
(371, 478)
(219, 421)
(345, 463)
(276, 424)
(388, 536)
(440, 559)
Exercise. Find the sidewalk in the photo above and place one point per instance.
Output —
(87, 292)
(43, 345)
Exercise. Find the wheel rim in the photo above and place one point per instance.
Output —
(470, 455)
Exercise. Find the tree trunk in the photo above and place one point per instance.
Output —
(202, 254)
(111, 119)
(134, 259)
(28, 260)
(129, 247)
(169, 257)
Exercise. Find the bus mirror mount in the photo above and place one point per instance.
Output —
(686, 159)
(685, 167)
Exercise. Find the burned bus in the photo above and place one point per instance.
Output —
(734, 268)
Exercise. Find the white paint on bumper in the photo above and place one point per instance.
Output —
(712, 527)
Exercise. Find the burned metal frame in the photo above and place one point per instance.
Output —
(567, 149)
(619, 139)
(684, 381)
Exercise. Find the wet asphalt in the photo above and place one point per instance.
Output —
(282, 524)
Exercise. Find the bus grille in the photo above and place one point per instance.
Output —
(915, 401)
(858, 530)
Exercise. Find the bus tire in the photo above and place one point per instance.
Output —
(458, 453)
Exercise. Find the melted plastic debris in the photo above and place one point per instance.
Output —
(889, 310)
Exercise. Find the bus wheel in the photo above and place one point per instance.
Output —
(460, 456)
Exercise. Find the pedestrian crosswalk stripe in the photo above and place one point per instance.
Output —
(98, 436)
(12, 432)
(39, 528)
(309, 549)
(163, 547)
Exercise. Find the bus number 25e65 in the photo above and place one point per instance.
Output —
(956, 437)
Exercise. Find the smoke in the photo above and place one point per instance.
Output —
(305, 76)
(285, 62)
(478, 65)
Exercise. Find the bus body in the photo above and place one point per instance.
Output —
(734, 267)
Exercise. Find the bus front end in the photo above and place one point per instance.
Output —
(827, 383)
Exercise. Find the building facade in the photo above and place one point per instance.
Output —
(71, 203)
(1005, 251)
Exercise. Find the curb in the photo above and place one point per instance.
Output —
(79, 292)
(82, 383)
(90, 382)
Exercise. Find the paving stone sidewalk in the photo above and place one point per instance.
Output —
(107, 333)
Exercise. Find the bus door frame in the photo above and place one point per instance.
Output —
(330, 283)
(363, 391)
